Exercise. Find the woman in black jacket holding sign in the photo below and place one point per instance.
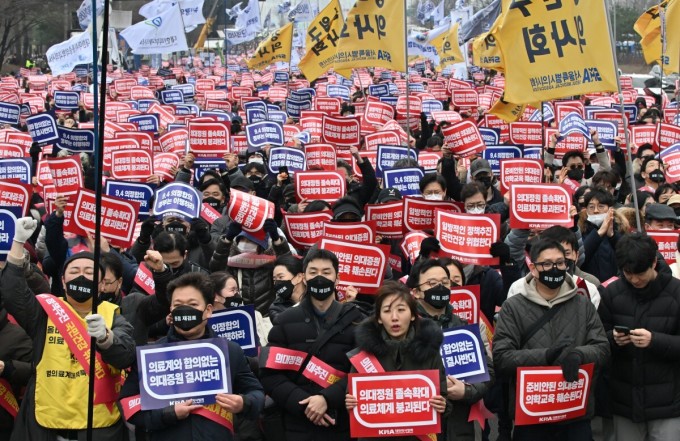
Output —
(400, 340)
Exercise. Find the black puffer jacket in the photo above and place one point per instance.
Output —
(298, 328)
(645, 383)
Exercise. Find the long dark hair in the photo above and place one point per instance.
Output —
(398, 289)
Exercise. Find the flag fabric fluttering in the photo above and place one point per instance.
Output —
(84, 12)
(161, 34)
(656, 26)
(302, 12)
(275, 49)
(323, 33)
(63, 57)
(480, 22)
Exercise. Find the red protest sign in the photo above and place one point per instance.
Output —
(672, 167)
(21, 139)
(118, 217)
(313, 124)
(111, 145)
(164, 164)
(239, 91)
(131, 165)
(526, 133)
(174, 141)
(362, 232)
(394, 404)
(144, 279)
(67, 174)
(219, 95)
(218, 105)
(341, 131)
(667, 242)
(468, 237)
(429, 160)
(320, 157)
(494, 122)
(539, 206)
(209, 214)
(124, 86)
(414, 105)
(465, 98)
(141, 93)
(329, 106)
(11, 151)
(573, 141)
(305, 229)
(411, 244)
(543, 396)
(239, 144)
(208, 139)
(447, 116)
(320, 185)
(385, 137)
(645, 134)
(165, 114)
(112, 109)
(388, 218)
(144, 139)
(562, 108)
(463, 138)
(14, 194)
(465, 302)
(520, 171)
(43, 173)
(249, 211)
(669, 134)
(419, 214)
(362, 265)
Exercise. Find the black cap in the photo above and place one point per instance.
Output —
(388, 195)
(241, 182)
(659, 212)
(346, 205)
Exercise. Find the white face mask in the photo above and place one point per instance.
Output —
(596, 219)
(256, 160)
(476, 210)
(434, 197)
(246, 246)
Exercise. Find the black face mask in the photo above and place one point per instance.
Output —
(213, 202)
(233, 302)
(80, 289)
(107, 297)
(571, 266)
(186, 318)
(575, 174)
(553, 278)
(283, 289)
(589, 171)
(657, 176)
(486, 181)
(320, 288)
(256, 180)
(438, 297)
(176, 227)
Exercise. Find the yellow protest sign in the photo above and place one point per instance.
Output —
(373, 36)
(274, 49)
(447, 47)
(555, 49)
(322, 36)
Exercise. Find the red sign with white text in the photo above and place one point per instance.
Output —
(468, 237)
(378, 113)
(526, 133)
(385, 137)
(249, 211)
(520, 171)
(539, 206)
(209, 139)
(131, 165)
(320, 185)
(645, 134)
(465, 302)
(543, 396)
(667, 241)
(463, 138)
(388, 218)
(669, 134)
(341, 131)
(164, 164)
(411, 244)
(67, 174)
(419, 214)
(320, 157)
(174, 141)
(305, 229)
(362, 232)
(14, 194)
(362, 265)
(111, 145)
(394, 404)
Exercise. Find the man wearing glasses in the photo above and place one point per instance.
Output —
(549, 324)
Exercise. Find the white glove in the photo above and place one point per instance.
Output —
(96, 327)
(24, 229)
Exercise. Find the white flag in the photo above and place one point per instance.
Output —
(437, 14)
(114, 54)
(302, 12)
(192, 11)
(162, 34)
(238, 36)
(151, 9)
(84, 12)
(234, 12)
(63, 57)
(267, 23)
(249, 16)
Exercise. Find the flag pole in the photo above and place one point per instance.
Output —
(629, 156)
(290, 61)
(99, 119)
(662, 16)
(408, 100)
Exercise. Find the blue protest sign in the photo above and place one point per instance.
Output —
(172, 96)
(301, 95)
(533, 152)
(196, 370)
(464, 355)
(220, 115)
(416, 87)
(294, 108)
(186, 109)
(143, 105)
(337, 91)
(178, 199)
(81, 71)
(262, 133)
(133, 104)
(307, 90)
(186, 89)
(273, 108)
(237, 325)
(379, 90)
(280, 77)
(342, 81)
(79, 88)
(289, 157)
(490, 136)
(394, 90)
(260, 105)
(548, 114)
(42, 128)
(406, 180)
(9, 113)
(304, 137)
(16, 168)
(132, 191)
(201, 165)
(278, 116)
(495, 153)
(430, 106)
(606, 130)
(255, 115)
(8, 220)
(66, 100)
(146, 123)
(590, 111)
(630, 109)
(75, 140)
(389, 154)
(386, 75)
(573, 123)
(391, 100)
(25, 109)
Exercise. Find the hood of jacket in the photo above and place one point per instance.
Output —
(567, 291)
(421, 343)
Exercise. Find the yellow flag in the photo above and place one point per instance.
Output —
(274, 49)
(506, 111)
(373, 36)
(322, 36)
(648, 21)
(486, 53)
(447, 46)
(671, 58)
(651, 46)
(555, 49)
